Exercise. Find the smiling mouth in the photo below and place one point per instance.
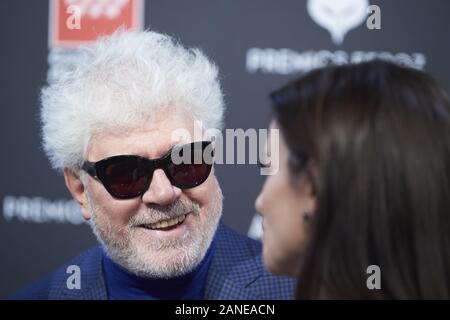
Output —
(166, 224)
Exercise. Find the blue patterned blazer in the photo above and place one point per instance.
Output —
(236, 273)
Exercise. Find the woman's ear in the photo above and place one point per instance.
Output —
(310, 197)
(312, 179)
(77, 190)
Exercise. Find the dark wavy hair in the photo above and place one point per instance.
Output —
(379, 136)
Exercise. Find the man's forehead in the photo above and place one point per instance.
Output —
(146, 143)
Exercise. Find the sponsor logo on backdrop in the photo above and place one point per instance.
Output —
(41, 210)
(338, 16)
(286, 61)
(76, 22)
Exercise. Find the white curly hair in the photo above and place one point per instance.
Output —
(122, 81)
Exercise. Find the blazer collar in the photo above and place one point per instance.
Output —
(234, 267)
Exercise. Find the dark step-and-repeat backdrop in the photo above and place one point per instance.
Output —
(257, 44)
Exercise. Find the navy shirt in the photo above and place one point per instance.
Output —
(124, 285)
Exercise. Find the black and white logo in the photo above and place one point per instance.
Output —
(338, 16)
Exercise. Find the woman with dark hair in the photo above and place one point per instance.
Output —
(363, 180)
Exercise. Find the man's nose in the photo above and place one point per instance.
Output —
(161, 191)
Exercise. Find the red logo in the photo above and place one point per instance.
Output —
(75, 22)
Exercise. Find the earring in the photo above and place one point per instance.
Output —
(306, 216)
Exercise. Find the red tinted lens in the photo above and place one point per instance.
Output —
(126, 178)
(189, 175)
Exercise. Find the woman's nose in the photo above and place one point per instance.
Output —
(259, 203)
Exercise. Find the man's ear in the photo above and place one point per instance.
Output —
(78, 191)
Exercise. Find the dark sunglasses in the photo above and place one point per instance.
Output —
(129, 176)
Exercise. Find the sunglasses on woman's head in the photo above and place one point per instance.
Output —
(129, 176)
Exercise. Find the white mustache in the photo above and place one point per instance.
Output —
(156, 214)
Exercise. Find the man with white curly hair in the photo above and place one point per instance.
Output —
(107, 125)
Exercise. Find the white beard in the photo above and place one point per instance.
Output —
(158, 258)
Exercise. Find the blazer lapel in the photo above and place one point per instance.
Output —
(92, 281)
(234, 267)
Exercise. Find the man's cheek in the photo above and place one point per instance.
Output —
(199, 195)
